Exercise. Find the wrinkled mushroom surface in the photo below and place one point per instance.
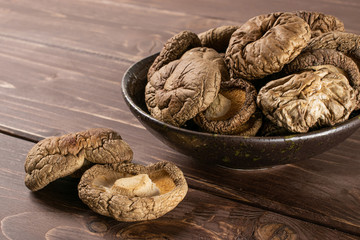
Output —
(181, 89)
(131, 192)
(313, 98)
(173, 49)
(266, 47)
(211, 55)
(328, 57)
(251, 126)
(264, 44)
(57, 157)
(347, 43)
(320, 23)
(217, 38)
(231, 110)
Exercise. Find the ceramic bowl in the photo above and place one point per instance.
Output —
(227, 150)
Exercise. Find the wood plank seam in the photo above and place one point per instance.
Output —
(66, 48)
(253, 204)
(35, 139)
(161, 11)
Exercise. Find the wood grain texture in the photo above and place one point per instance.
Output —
(61, 67)
(123, 29)
(111, 30)
(57, 97)
(240, 11)
(56, 212)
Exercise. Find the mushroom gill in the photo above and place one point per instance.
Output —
(232, 111)
(132, 192)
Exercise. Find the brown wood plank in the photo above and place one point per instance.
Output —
(49, 91)
(133, 29)
(42, 84)
(241, 11)
(323, 189)
(120, 31)
(56, 212)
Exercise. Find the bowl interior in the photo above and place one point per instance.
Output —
(228, 150)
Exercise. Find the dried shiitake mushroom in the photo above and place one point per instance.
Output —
(347, 43)
(57, 157)
(131, 192)
(173, 49)
(181, 89)
(285, 46)
(211, 55)
(317, 97)
(264, 44)
(217, 38)
(320, 23)
(320, 57)
(232, 110)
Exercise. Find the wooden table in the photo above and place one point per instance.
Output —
(61, 66)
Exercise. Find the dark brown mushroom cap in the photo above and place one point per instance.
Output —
(206, 54)
(347, 43)
(211, 55)
(217, 38)
(183, 88)
(320, 23)
(242, 95)
(316, 97)
(96, 189)
(264, 44)
(57, 157)
(252, 126)
(327, 57)
(173, 49)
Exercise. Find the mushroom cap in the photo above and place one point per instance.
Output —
(318, 57)
(56, 157)
(173, 49)
(217, 38)
(211, 55)
(252, 126)
(184, 87)
(264, 44)
(316, 97)
(96, 189)
(347, 43)
(320, 23)
(242, 96)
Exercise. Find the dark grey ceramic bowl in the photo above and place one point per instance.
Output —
(230, 151)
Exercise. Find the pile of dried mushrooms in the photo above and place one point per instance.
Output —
(278, 73)
(110, 184)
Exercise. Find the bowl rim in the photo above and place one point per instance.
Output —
(354, 122)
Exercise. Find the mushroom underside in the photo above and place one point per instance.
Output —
(131, 192)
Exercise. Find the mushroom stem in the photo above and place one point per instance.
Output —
(136, 186)
(218, 108)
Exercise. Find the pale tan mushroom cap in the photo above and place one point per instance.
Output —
(316, 97)
(96, 189)
(57, 157)
(327, 56)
